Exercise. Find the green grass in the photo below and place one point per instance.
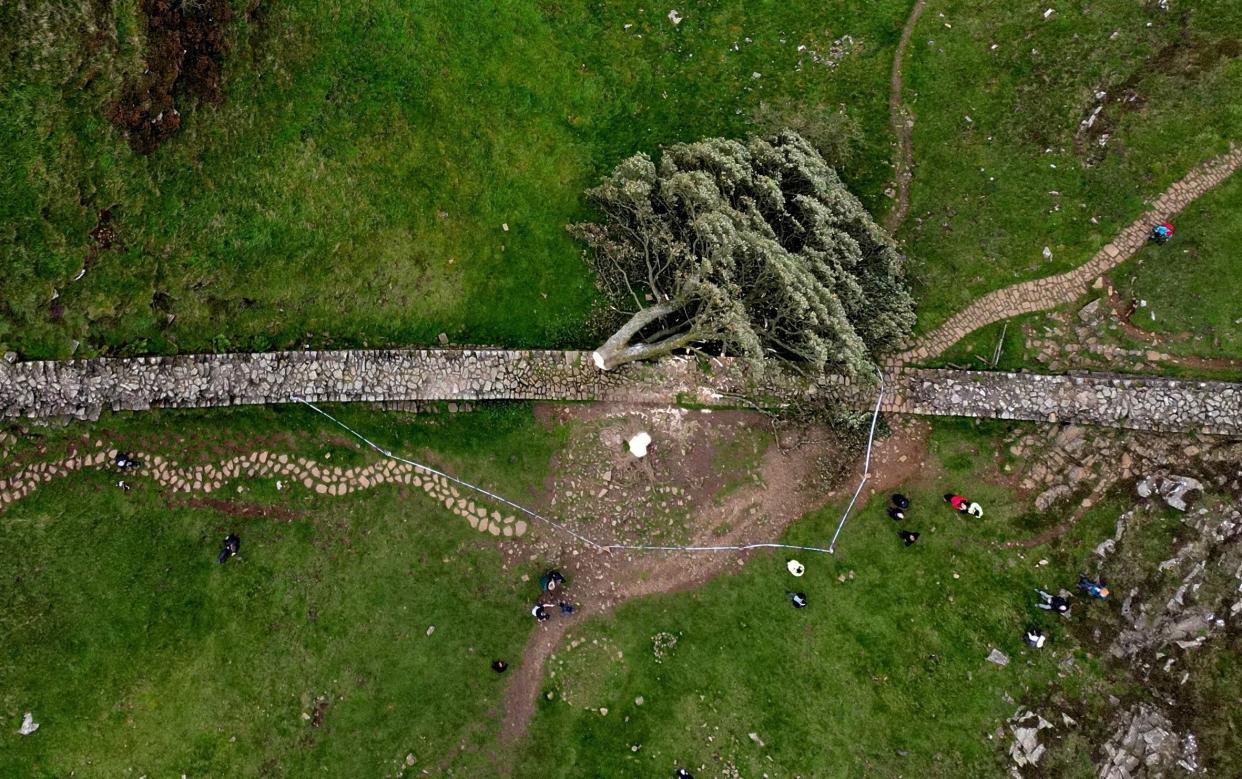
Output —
(139, 654)
(981, 343)
(882, 675)
(353, 186)
(1191, 284)
(982, 201)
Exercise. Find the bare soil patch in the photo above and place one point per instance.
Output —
(184, 58)
(732, 486)
(1186, 59)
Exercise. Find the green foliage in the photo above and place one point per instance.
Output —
(757, 246)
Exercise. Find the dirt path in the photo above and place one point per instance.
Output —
(1052, 291)
(903, 125)
(1122, 312)
(790, 485)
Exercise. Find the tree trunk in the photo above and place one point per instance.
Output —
(617, 349)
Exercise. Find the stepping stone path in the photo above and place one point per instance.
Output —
(1053, 291)
(294, 471)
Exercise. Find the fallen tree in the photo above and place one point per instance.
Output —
(755, 249)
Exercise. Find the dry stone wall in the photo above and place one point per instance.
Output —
(82, 389)
(1133, 402)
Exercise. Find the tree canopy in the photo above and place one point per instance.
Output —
(755, 248)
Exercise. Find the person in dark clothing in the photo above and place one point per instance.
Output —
(567, 608)
(907, 537)
(500, 666)
(125, 462)
(1093, 588)
(683, 774)
(539, 613)
(1034, 637)
(551, 580)
(895, 514)
(901, 501)
(232, 545)
(798, 599)
(1052, 602)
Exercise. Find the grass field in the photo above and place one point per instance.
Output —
(310, 653)
(1003, 165)
(379, 173)
(140, 655)
(352, 187)
(1191, 285)
(882, 675)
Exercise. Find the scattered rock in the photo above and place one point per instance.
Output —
(28, 725)
(1090, 312)
(998, 657)
(1172, 489)
(1144, 744)
(674, 17)
(755, 738)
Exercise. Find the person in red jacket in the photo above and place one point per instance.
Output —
(956, 501)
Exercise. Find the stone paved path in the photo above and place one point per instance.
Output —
(1050, 292)
(290, 473)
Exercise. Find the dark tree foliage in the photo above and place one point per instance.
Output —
(756, 248)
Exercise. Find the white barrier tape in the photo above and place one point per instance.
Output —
(607, 547)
